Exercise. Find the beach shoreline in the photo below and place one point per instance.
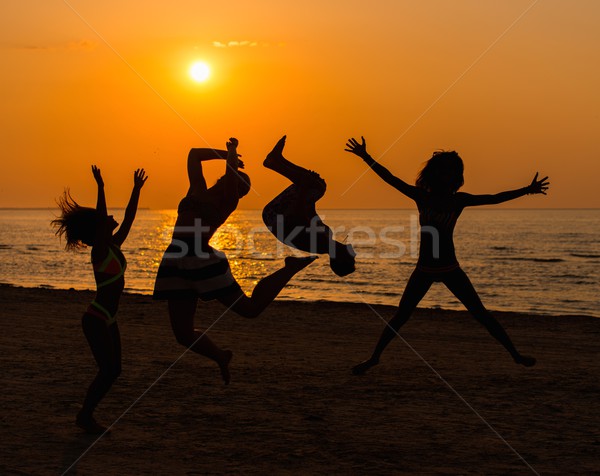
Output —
(445, 399)
(390, 308)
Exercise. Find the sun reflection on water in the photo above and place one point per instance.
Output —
(249, 248)
(519, 260)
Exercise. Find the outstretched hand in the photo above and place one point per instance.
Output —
(139, 178)
(357, 148)
(538, 186)
(97, 176)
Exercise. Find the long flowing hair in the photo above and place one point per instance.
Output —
(76, 224)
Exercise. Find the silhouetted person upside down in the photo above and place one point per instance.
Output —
(292, 216)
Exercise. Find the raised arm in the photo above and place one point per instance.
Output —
(100, 247)
(194, 167)
(536, 186)
(360, 149)
(139, 179)
(231, 180)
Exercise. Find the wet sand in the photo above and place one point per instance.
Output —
(448, 400)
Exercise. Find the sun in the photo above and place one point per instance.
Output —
(200, 71)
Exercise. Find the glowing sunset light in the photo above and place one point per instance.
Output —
(509, 85)
(200, 71)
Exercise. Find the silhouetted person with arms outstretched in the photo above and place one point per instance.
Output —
(83, 226)
(292, 216)
(191, 269)
(440, 204)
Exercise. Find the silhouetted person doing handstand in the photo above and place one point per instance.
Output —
(292, 216)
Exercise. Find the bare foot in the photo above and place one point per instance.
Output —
(526, 361)
(364, 366)
(224, 366)
(90, 425)
(298, 264)
(275, 154)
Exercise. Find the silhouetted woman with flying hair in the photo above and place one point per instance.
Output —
(83, 227)
(440, 204)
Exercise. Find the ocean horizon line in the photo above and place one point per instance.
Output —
(494, 207)
(543, 261)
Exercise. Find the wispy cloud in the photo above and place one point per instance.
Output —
(81, 45)
(245, 44)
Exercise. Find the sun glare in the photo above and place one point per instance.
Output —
(199, 71)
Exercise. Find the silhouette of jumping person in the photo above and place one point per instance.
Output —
(292, 216)
(192, 269)
(84, 226)
(440, 204)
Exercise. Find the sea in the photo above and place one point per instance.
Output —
(526, 261)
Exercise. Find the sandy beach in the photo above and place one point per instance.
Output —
(447, 400)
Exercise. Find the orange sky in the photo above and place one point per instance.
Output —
(512, 86)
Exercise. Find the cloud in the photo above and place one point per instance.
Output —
(33, 48)
(81, 45)
(244, 44)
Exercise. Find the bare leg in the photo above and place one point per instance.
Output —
(461, 287)
(417, 286)
(297, 205)
(105, 344)
(181, 313)
(278, 163)
(266, 290)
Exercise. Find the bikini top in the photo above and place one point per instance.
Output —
(113, 266)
